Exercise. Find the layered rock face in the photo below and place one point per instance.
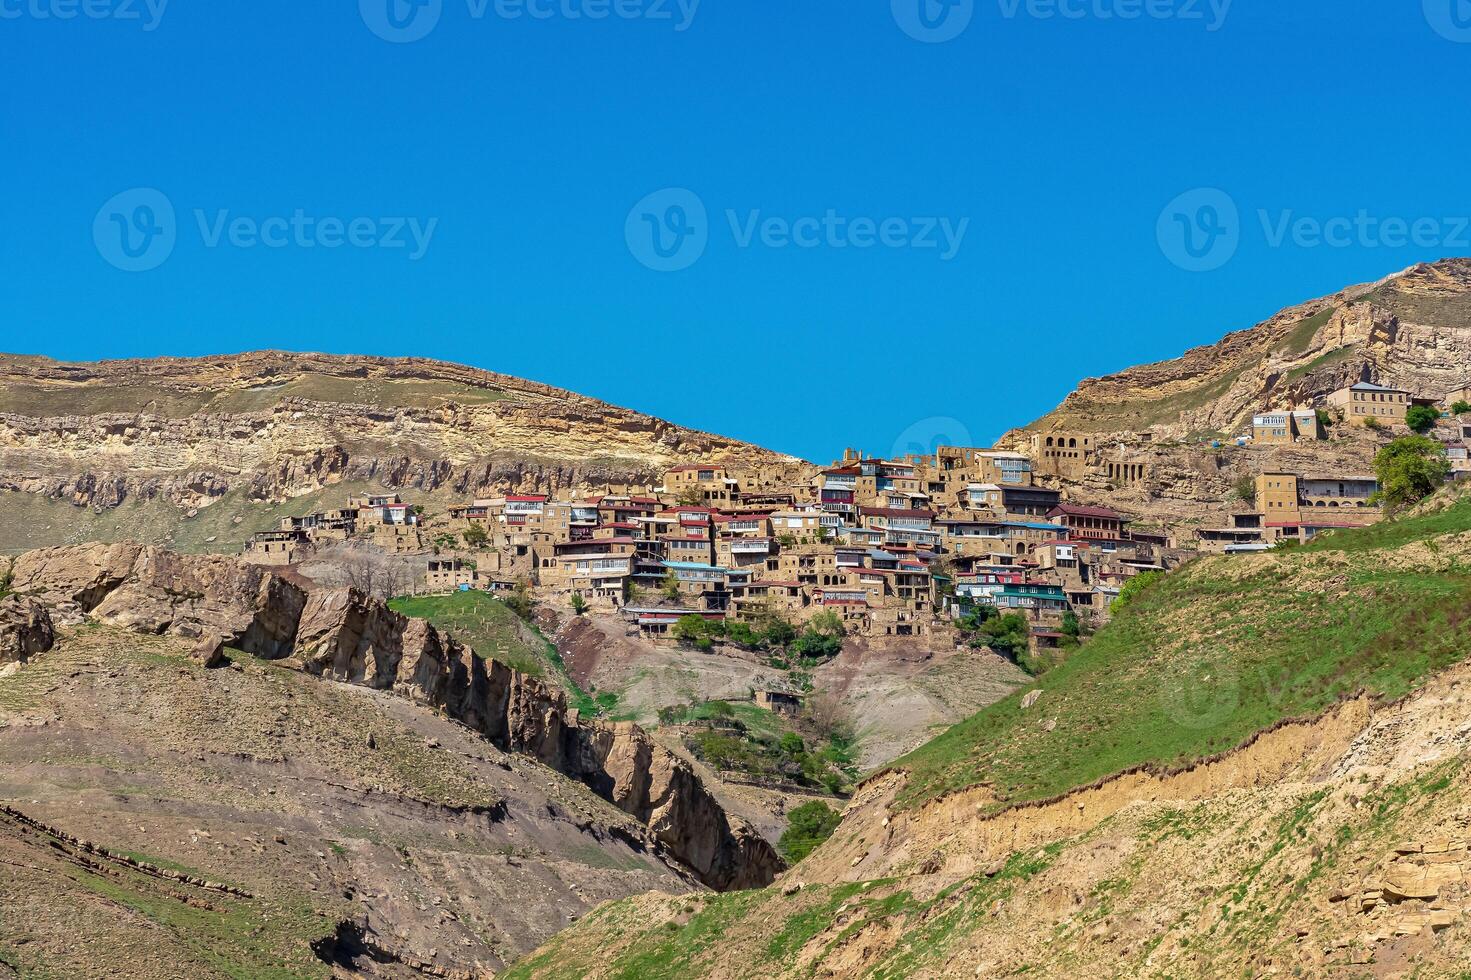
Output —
(25, 629)
(277, 425)
(1410, 330)
(344, 636)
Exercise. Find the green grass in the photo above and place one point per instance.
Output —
(1337, 356)
(1302, 334)
(1207, 657)
(246, 939)
(496, 633)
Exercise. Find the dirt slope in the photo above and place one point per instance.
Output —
(342, 812)
(1258, 769)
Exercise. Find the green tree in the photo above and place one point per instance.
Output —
(1008, 634)
(791, 744)
(1461, 407)
(693, 629)
(579, 604)
(808, 826)
(1071, 627)
(1373, 424)
(671, 585)
(1325, 418)
(1409, 469)
(1245, 487)
(475, 536)
(1421, 418)
(778, 632)
(520, 601)
(1131, 590)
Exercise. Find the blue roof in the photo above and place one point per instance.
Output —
(1035, 526)
(694, 566)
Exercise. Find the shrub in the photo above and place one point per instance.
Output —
(579, 604)
(671, 585)
(1409, 469)
(475, 536)
(1461, 407)
(520, 601)
(779, 632)
(1008, 635)
(1131, 590)
(694, 630)
(1421, 418)
(1325, 418)
(1245, 487)
(808, 826)
(1372, 423)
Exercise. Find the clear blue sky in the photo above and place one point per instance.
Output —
(528, 141)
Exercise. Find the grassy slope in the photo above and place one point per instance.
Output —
(1215, 653)
(497, 633)
(1202, 661)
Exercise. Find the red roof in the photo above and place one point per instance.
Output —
(1074, 510)
(894, 512)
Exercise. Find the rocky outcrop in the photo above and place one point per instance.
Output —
(25, 629)
(276, 425)
(345, 636)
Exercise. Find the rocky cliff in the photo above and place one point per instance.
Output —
(344, 636)
(271, 426)
(1411, 330)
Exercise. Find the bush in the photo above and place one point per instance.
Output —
(742, 635)
(1461, 407)
(1421, 418)
(475, 536)
(1131, 590)
(1008, 635)
(808, 826)
(1245, 487)
(520, 601)
(697, 631)
(1409, 469)
(1325, 418)
(778, 633)
(579, 604)
(1372, 423)
(671, 585)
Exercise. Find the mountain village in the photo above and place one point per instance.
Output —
(885, 547)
